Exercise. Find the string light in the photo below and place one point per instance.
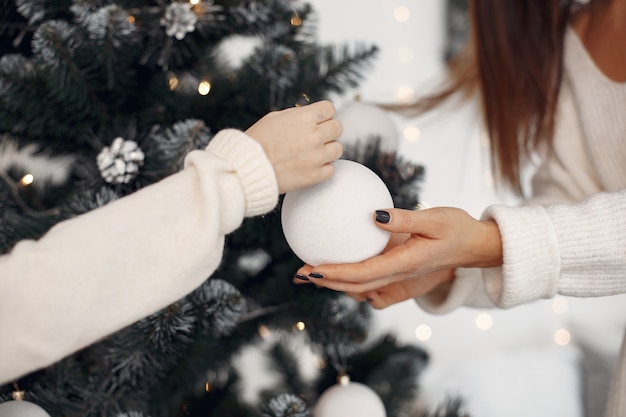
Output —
(194, 2)
(204, 87)
(402, 14)
(562, 337)
(131, 19)
(27, 180)
(405, 93)
(207, 387)
(411, 133)
(423, 332)
(264, 331)
(173, 82)
(484, 321)
(300, 325)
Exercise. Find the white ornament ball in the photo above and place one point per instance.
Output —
(333, 221)
(364, 122)
(21, 409)
(352, 399)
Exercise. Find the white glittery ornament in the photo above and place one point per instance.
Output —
(120, 162)
(333, 222)
(179, 20)
(349, 399)
(21, 408)
(362, 123)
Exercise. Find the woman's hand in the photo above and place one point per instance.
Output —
(300, 142)
(438, 239)
(437, 284)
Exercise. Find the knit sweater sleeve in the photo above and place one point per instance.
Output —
(569, 249)
(101, 271)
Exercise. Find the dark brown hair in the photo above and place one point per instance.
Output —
(514, 60)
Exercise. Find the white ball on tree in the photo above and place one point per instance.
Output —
(333, 221)
(363, 123)
(21, 409)
(351, 399)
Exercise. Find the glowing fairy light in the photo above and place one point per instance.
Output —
(27, 180)
(423, 332)
(411, 133)
(204, 87)
(484, 321)
(173, 83)
(405, 93)
(562, 337)
(402, 14)
(264, 331)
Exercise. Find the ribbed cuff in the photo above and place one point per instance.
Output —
(252, 166)
(531, 262)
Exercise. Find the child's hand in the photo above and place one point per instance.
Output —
(300, 142)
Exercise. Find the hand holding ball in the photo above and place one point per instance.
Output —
(332, 222)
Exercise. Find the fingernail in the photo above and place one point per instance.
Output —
(382, 216)
(316, 275)
(368, 299)
(302, 277)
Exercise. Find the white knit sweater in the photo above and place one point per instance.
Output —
(570, 237)
(99, 272)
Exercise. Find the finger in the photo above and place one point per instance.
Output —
(300, 279)
(397, 260)
(323, 110)
(357, 296)
(326, 172)
(332, 151)
(330, 130)
(395, 292)
(302, 275)
(427, 222)
(356, 287)
(382, 299)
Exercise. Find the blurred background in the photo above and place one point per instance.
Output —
(550, 358)
(140, 83)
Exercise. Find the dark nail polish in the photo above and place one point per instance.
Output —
(369, 300)
(382, 216)
(316, 275)
(302, 277)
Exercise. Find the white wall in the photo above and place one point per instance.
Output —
(513, 367)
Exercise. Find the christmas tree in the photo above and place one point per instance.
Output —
(99, 99)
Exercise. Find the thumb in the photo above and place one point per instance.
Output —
(397, 220)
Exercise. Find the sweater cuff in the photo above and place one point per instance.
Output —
(252, 166)
(530, 268)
